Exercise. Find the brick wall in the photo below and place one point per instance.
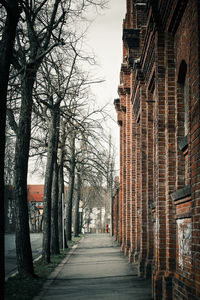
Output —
(159, 117)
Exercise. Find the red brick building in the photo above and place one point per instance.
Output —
(158, 209)
(35, 194)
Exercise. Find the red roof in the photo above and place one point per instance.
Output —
(35, 192)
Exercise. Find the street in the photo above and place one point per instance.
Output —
(10, 251)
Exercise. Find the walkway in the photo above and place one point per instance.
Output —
(96, 270)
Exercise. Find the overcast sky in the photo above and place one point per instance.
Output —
(105, 39)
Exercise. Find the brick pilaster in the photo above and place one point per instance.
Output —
(150, 185)
(170, 135)
(120, 186)
(128, 170)
(133, 187)
(137, 193)
(143, 170)
(123, 173)
(160, 164)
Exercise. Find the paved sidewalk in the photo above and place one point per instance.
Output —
(96, 270)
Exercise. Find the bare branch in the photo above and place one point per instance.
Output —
(12, 121)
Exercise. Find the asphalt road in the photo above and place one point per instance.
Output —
(10, 252)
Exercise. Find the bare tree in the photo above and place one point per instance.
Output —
(35, 38)
(77, 203)
(61, 186)
(54, 212)
(110, 164)
(86, 155)
(62, 82)
(11, 11)
(57, 86)
(43, 28)
(71, 169)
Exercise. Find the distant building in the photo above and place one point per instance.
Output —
(36, 195)
(95, 220)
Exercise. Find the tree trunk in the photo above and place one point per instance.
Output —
(78, 197)
(60, 207)
(54, 212)
(6, 47)
(47, 188)
(23, 246)
(69, 205)
(70, 192)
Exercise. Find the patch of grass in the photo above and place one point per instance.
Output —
(24, 289)
(17, 288)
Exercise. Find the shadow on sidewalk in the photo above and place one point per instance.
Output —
(96, 269)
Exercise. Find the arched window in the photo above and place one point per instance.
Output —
(182, 130)
(183, 97)
(185, 108)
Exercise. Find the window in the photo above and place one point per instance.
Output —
(185, 108)
(182, 100)
(182, 122)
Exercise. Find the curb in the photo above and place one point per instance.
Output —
(50, 279)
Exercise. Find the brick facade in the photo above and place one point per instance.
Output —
(157, 211)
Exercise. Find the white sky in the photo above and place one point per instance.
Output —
(105, 39)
